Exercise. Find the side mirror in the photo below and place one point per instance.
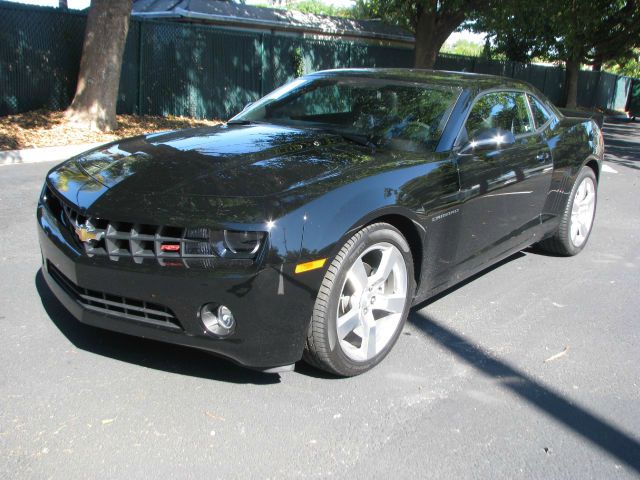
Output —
(489, 139)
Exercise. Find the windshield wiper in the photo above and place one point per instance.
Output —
(242, 122)
(360, 139)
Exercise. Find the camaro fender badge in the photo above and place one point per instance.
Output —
(445, 214)
(86, 234)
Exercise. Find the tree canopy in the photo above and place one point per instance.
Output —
(629, 66)
(576, 32)
(431, 21)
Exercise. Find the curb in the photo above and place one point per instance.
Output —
(46, 154)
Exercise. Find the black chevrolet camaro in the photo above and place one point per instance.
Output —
(309, 224)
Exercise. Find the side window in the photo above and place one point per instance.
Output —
(504, 110)
(540, 114)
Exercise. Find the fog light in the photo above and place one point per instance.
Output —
(217, 319)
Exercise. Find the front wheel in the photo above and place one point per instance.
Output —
(577, 219)
(363, 302)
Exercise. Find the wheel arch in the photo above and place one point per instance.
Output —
(411, 233)
(594, 165)
(402, 219)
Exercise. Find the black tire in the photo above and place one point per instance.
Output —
(560, 243)
(322, 349)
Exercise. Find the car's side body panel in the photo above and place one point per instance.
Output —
(467, 231)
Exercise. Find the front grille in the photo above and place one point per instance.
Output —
(116, 306)
(170, 246)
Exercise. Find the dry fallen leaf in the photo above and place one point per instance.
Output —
(557, 355)
(214, 416)
(45, 128)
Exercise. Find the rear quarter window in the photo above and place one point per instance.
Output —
(540, 114)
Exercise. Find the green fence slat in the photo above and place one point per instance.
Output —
(128, 94)
(40, 53)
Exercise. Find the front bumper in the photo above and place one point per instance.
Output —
(272, 309)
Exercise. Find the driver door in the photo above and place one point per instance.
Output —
(503, 187)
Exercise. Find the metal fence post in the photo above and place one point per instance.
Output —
(140, 80)
(263, 62)
(594, 95)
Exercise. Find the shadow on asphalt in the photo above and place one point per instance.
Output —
(566, 412)
(473, 277)
(587, 424)
(622, 142)
(147, 353)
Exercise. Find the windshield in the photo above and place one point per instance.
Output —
(399, 115)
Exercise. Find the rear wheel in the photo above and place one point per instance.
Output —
(363, 302)
(577, 219)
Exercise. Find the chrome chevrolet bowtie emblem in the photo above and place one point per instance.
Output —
(86, 233)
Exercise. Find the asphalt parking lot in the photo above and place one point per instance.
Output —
(529, 370)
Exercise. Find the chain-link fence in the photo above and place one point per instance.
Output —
(209, 72)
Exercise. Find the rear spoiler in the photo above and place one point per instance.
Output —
(595, 116)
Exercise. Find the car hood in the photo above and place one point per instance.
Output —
(225, 161)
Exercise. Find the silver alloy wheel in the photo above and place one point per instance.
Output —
(371, 301)
(584, 205)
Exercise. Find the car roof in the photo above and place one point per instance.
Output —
(438, 77)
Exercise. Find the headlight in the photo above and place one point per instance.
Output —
(242, 242)
(223, 243)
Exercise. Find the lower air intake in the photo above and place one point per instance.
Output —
(116, 306)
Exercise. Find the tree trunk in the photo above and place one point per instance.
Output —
(571, 82)
(94, 104)
(431, 33)
(426, 50)
(426, 53)
(62, 5)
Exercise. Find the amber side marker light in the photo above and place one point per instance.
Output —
(305, 267)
